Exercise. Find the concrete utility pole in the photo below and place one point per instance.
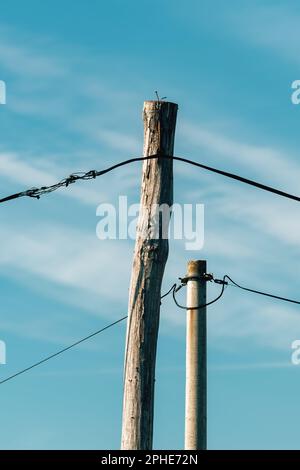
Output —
(196, 388)
(149, 261)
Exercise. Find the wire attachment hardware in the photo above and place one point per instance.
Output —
(221, 281)
(205, 277)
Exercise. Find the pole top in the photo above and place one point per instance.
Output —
(159, 101)
(155, 103)
(196, 267)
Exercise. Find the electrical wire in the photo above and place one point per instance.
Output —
(169, 291)
(174, 289)
(234, 284)
(70, 346)
(203, 305)
(61, 351)
(224, 283)
(92, 174)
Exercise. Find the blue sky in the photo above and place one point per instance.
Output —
(77, 74)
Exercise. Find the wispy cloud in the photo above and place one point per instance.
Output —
(274, 27)
(270, 214)
(70, 100)
(71, 263)
(20, 60)
(269, 163)
(67, 257)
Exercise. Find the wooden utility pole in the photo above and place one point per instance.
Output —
(149, 261)
(196, 379)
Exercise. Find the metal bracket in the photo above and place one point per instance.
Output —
(205, 277)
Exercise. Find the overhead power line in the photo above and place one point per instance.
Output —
(61, 351)
(209, 277)
(260, 292)
(68, 347)
(92, 174)
(174, 289)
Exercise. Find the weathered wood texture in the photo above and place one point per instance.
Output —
(149, 261)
